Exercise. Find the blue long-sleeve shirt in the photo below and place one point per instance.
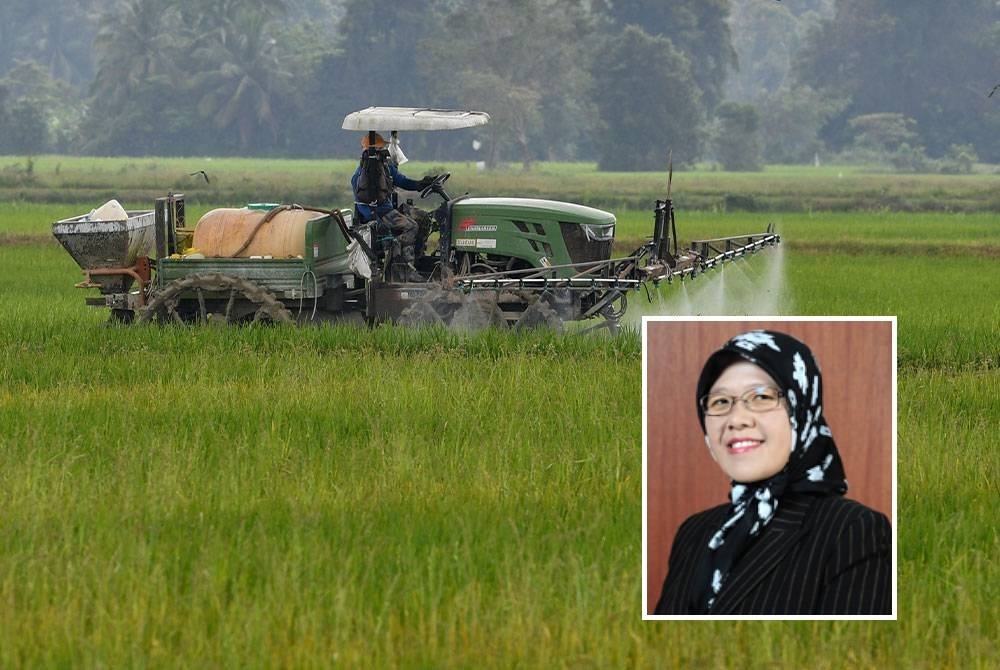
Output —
(382, 207)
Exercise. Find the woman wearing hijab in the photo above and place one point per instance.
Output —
(788, 542)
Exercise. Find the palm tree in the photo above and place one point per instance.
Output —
(242, 76)
(61, 42)
(136, 45)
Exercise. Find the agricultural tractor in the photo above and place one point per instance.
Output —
(503, 262)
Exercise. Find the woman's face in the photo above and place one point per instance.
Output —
(748, 446)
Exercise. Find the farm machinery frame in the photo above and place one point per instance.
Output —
(503, 262)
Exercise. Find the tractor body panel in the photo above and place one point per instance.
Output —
(538, 233)
(325, 249)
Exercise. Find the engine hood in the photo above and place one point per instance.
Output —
(532, 208)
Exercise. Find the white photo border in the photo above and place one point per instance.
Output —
(645, 489)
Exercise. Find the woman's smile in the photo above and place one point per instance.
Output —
(749, 446)
(741, 445)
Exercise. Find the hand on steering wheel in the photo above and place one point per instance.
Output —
(436, 184)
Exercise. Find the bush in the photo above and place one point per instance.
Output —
(960, 159)
(889, 140)
(24, 129)
(885, 131)
(737, 137)
(791, 120)
(909, 159)
(648, 102)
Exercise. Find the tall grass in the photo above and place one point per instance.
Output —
(21, 219)
(326, 182)
(257, 496)
(880, 232)
(331, 496)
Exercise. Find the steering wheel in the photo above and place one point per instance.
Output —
(436, 184)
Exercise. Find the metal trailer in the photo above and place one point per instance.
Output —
(141, 275)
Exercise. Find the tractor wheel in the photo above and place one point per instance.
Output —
(477, 313)
(453, 310)
(539, 314)
(218, 299)
(420, 314)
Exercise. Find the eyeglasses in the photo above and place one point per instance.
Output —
(759, 399)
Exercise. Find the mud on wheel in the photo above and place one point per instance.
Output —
(454, 310)
(214, 298)
(471, 312)
(540, 314)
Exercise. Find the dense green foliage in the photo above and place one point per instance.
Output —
(814, 66)
(368, 61)
(767, 38)
(524, 61)
(932, 62)
(737, 144)
(564, 79)
(327, 182)
(699, 30)
(791, 122)
(641, 125)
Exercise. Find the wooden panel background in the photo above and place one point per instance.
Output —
(856, 362)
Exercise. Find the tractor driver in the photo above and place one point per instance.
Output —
(374, 185)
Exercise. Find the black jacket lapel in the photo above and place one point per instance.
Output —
(764, 555)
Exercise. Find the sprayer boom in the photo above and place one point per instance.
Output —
(707, 254)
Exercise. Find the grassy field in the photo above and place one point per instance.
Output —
(342, 497)
(326, 183)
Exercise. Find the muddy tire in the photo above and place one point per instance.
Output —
(539, 315)
(420, 314)
(477, 313)
(454, 310)
(214, 299)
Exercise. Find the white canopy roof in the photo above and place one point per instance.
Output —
(413, 118)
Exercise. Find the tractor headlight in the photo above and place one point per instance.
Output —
(602, 233)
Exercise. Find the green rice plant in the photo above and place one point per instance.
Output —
(260, 453)
(878, 232)
(326, 183)
(238, 497)
(312, 497)
(945, 317)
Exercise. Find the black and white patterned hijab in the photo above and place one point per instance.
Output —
(814, 465)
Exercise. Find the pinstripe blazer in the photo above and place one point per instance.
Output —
(819, 555)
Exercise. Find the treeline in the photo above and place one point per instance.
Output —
(738, 82)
